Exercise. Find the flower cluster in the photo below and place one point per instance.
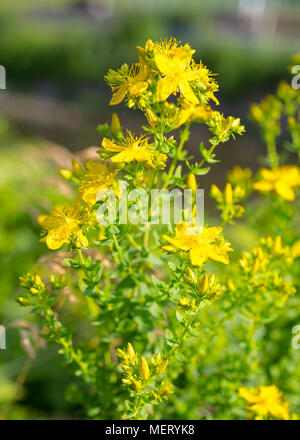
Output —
(202, 243)
(144, 378)
(213, 326)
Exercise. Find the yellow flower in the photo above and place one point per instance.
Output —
(265, 401)
(134, 148)
(134, 82)
(96, 176)
(177, 76)
(192, 112)
(174, 63)
(282, 180)
(203, 244)
(296, 249)
(239, 176)
(62, 225)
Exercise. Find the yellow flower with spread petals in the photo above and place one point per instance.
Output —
(63, 224)
(133, 148)
(177, 75)
(134, 82)
(202, 243)
(282, 180)
(265, 401)
(95, 177)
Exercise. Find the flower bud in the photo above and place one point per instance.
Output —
(23, 301)
(149, 45)
(136, 385)
(115, 124)
(231, 285)
(151, 118)
(37, 279)
(228, 194)
(277, 245)
(192, 277)
(191, 182)
(215, 192)
(255, 266)
(144, 369)
(77, 171)
(161, 367)
(130, 351)
(165, 390)
(66, 174)
(203, 286)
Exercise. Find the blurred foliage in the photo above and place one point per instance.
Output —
(79, 41)
(28, 185)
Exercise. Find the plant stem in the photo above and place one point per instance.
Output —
(271, 147)
(184, 137)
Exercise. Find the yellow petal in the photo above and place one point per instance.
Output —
(57, 237)
(137, 87)
(217, 254)
(163, 63)
(285, 191)
(187, 92)
(124, 156)
(119, 95)
(263, 185)
(110, 145)
(166, 86)
(198, 256)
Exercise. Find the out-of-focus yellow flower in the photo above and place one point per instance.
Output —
(202, 244)
(281, 180)
(134, 82)
(62, 224)
(241, 177)
(265, 401)
(133, 148)
(296, 249)
(96, 176)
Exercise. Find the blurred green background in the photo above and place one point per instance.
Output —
(56, 53)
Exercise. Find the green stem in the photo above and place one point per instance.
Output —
(187, 327)
(271, 147)
(183, 139)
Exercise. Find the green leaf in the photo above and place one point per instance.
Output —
(179, 316)
(202, 171)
